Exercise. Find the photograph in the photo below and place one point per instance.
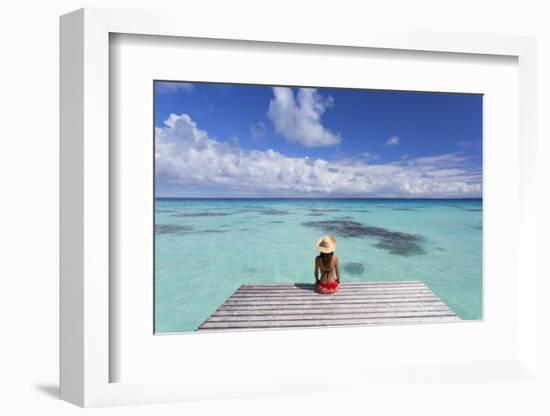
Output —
(301, 206)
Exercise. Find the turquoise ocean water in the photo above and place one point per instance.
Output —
(206, 248)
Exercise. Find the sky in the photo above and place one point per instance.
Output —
(234, 140)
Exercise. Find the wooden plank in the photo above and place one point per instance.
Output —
(329, 299)
(339, 311)
(282, 303)
(336, 307)
(311, 288)
(377, 282)
(341, 291)
(308, 286)
(365, 284)
(372, 284)
(314, 323)
(332, 299)
(335, 295)
(324, 316)
(298, 305)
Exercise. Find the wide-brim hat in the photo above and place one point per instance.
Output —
(326, 244)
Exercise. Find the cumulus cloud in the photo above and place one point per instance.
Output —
(298, 117)
(173, 87)
(392, 141)
(188, 159)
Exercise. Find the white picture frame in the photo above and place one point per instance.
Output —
(86, 352)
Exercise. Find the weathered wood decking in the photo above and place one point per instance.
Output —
(298, 305)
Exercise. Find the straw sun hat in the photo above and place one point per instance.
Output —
(326, 244)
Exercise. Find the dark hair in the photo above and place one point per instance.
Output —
(326, 258)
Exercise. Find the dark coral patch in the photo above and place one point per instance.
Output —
(273, 212)
(354, 269)
(202, 214)
(183, 229)
(398, 243)
(172, 229)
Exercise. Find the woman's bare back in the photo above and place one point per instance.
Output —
(327, 270)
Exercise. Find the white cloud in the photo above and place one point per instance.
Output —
(298, 118)
(392, 141)
(258, 131)
(187, 158)
(368, 156)
(173, 87)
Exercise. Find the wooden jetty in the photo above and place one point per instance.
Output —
(298, 305)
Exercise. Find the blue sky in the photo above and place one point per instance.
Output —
(231, 140)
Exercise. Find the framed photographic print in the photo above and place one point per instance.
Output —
(393, 178)
(230, 203)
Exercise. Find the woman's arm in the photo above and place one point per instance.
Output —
(337, 270)
(316, 272)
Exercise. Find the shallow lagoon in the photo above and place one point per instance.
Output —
(206, 248)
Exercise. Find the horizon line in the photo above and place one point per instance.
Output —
(300, 197)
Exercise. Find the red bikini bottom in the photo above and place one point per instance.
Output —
(327, 287)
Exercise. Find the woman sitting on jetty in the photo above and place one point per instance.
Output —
(327, 263)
